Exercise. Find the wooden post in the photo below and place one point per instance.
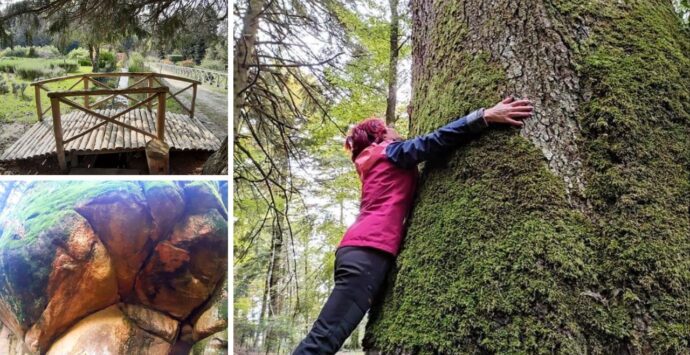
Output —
(191, 111)
(160, 117)
(38, 102)
(149, 105)
(157, 157)
(57, 130)
(86, 87)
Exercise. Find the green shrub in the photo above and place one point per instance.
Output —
(4, 89)
(81, 55)
(213, 64)
(31, 52)
(107, 61)
(32, 69)
(136, 63)
(68, 66)
(30, 72)
(175, 58)
(48, 52)
(189, 63)
(18, 51)
(8, 65)
(18, 89)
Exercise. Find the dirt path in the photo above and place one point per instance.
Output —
(211, 106)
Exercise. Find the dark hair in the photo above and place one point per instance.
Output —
(366, 133)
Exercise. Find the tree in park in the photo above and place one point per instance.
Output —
(110, 21)
(571, 234)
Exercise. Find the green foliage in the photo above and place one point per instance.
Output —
(189, 63)
(213, 64)
(363, 80)
(78, 53)
(31, 52)
(219, 52)
(81, 55)
(496, 260)
(107, 61)
(175, 57)
(136, 63)
(18, 109)
(33, 68)
(4, 88)
(355, 91)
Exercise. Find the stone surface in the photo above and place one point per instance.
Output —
(183, 271)
(9, 343)
(121, 220)
(152, 321)
(82, 281)
(71, 253)
(202, 196)
(215, 318)
(166, 204)
(108, 331)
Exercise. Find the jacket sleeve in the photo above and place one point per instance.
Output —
(407, 154)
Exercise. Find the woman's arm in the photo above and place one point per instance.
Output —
(408, 153)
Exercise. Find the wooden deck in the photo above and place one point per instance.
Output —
(182, 132)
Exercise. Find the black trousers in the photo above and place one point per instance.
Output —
(360, 273)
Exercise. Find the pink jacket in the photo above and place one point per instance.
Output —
(388, 172)
(387, 194)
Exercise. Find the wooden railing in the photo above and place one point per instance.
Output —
(205, 76)
(145, 80)
(145, 84)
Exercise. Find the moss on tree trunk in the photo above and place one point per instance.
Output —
(573, 235)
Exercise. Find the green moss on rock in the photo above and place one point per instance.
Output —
(48, 203)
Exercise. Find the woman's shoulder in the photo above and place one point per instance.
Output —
(370, 155)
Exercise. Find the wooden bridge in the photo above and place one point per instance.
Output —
(94, 128)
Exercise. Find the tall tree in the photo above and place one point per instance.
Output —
(570, 235)
(393, 62)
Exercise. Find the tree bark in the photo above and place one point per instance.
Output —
(393, 63)
(244, 57)
(570, 235)
(275, 283)
(278, 263)
(217, 163)
(94, 53)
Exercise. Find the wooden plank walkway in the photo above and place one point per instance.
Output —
(181, 133)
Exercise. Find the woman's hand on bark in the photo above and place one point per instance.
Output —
(509, 111)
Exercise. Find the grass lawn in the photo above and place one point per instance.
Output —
(15, 108)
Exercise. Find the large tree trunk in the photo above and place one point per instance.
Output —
(244, 58)
(573, 234)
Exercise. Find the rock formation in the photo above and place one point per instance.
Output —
(114, 267)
